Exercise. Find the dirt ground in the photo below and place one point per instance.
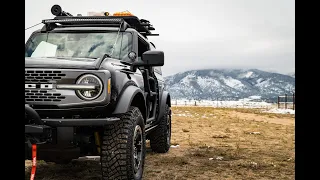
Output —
(213, 144)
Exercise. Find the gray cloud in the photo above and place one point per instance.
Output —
(203, 33)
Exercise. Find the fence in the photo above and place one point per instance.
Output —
(223, 104)
(286, 104)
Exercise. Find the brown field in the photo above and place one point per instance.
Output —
(213, 144)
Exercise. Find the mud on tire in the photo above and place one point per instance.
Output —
(123, 144)
(160, 138)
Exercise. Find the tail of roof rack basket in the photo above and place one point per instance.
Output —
(65, 19)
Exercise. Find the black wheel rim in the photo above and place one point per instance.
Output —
(137, 148)
(169, 128)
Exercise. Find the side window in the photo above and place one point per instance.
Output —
(126, 45)
(143, 46)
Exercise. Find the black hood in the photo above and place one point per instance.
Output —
(61, 63)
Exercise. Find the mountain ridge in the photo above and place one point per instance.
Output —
(228, 84)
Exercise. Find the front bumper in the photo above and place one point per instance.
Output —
(36, 129)
(50, 123)
(44, 125)
(80, 122)
(56, 136)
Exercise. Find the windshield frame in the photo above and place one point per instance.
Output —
(75, 31)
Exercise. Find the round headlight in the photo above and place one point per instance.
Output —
(90, 79)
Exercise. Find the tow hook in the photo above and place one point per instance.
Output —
(34, 161)
(33, 142)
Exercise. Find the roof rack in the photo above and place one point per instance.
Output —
(65, 19)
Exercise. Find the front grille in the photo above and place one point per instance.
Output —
(42, 95)
(42, 76)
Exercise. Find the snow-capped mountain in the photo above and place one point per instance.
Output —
(222, 84)
(292, 74)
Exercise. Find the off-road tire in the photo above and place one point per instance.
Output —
(118, 152)
(160, 138)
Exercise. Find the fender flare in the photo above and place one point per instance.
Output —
(163, 101)
(126, 98)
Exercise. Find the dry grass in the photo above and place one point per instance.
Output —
(240, 143)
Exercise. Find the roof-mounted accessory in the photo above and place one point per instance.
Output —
(56, 10)
(98, 13)
(123, 19)
(124, 13)
(83, 21)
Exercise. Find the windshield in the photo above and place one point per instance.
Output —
(79, 45)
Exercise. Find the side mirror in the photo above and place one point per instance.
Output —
(153, 58)
(149, 58)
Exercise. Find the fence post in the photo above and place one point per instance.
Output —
(293, 101)
(278, 102)
(185, 102)
(285, 101)
(195, 103)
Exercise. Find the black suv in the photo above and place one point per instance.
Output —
(94, 87)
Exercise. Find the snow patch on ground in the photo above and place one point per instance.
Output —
(245, 103)
(280, 111)
(255, 97)
(174, 146)
(185, 115)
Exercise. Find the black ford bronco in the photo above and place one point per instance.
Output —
(94, 87)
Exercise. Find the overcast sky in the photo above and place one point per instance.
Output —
(202, 34)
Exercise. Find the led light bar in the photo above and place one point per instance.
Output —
(82, 20)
